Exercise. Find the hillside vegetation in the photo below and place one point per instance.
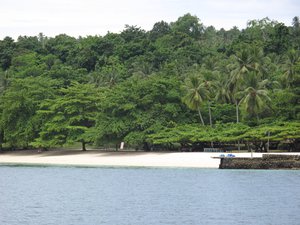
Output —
(181, 85)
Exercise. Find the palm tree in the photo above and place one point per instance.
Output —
(292, 59)
(104, 79)
(258, 61)
(196, 94)
(247, 61)
(242, 66)
(209, 76)
(222, 90)
(255, 96)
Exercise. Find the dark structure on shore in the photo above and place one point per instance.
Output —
(268, 161)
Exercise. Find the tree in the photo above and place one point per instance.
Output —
(27, 64)
(287, 132)
(189, 25)
(159, 29)
(296, 23)
(191, 134)
(255, 96)
(61, 46)
(19, 105)
(243, 64)
(296, 32)
(109, 74)
(283, 104)
(216, 82)
(247, 61)
(196, 94)
(7, 47)
(259, 31)
(66, 74)
(279, 41)
(85, 53)
(137, 107)
(134, 43)
(69, 118)
(222, 94)
(292, 62)
(30, 44)
(4, 81)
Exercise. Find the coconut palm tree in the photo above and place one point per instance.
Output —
(255, 96)
(196, 94)
(248, 61)
(291, 61)
(210, 73)
(258, 61)
(217, 87)
(104, 79)
(222, 90)
(243, 65)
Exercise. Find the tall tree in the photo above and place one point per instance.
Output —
(189, 25)
(137, 107)
(7, 47)
(70, 117)
(255, 96)
(19, 105)
(196, 93)
(222, 92)
(4, 81)
(61, 46)
(290, 66)
(159, 29)
(296, 32)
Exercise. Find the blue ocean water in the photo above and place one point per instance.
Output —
(141, 196)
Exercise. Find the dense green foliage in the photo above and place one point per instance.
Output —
(181, 83)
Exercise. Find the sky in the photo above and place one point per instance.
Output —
(97, 17)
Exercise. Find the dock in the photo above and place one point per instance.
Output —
(267, 161)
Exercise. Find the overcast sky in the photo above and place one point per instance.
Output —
(96, 17)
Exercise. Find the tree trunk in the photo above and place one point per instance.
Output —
(237, 120)
(83, 145)
(209, 112)
(146, 147)
(237, 111)
(210, 122)
(200, 115)
(239, 145)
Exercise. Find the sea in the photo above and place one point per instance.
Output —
(34, 195)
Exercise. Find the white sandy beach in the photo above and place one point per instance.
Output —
(94, 158)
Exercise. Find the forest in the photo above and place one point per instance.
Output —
(179, 86)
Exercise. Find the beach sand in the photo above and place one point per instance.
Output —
(96, 158)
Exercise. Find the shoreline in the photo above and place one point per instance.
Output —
(97, 158)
